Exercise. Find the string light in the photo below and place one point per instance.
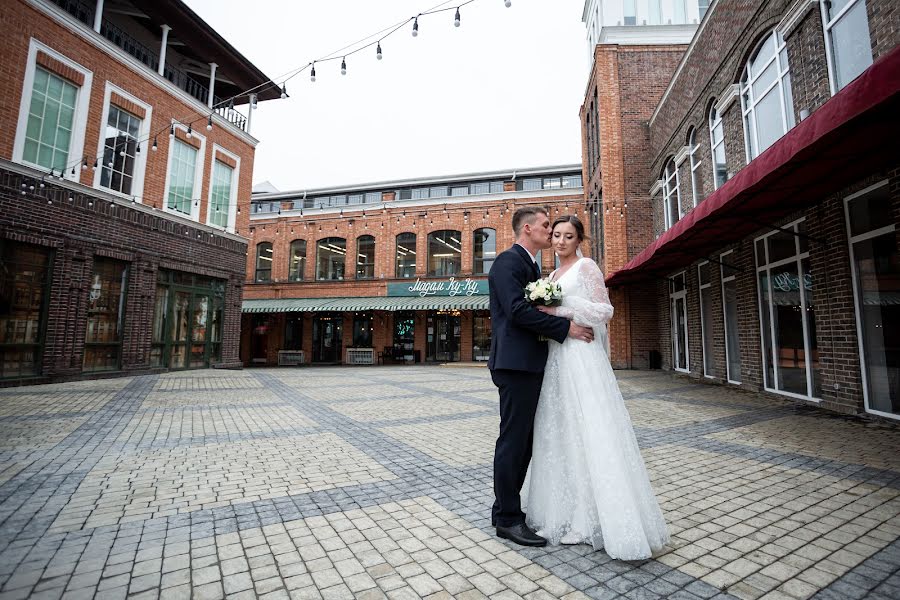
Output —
(378, 53)
(190, 132)
(209, 123)
(507, 3)
(172, 130)
(312, 74)
(344, 66)
(415, 31)
(456, 18)
(284, 93)
(154, 146)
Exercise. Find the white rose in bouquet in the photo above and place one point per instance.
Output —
(543, 291)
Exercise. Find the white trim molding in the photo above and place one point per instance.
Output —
(794, 15)
(233, 195)
(140, 162)
(727, 97)
(682, 155)
(79, 123)
(656, 187)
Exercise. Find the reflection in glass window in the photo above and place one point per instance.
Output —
(730, 309)
(330, 254)
(365, 257)
(105, 315)
(362, 330)
(263, 262)
(51, 118)
(297, 260)
(717, 146)
(481, 336)
(766, 97)
(220, 199)
(444, 253)
(484, 246)
(181, 177)
(122, 132)
(406, 255)
(695, 166)
(704, 276)
(671, 194)
(24, 283)
(849, 44)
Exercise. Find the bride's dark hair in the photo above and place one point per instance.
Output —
(575, 222)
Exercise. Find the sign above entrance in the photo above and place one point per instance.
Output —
(439, 287)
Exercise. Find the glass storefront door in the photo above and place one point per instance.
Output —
(678, 301)
(187, 321)
(481, 336)
(24, 282)
(327, 338)
(443, 336)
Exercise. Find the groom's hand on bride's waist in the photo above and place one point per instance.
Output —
(585, 334)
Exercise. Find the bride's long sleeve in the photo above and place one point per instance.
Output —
(595, 310)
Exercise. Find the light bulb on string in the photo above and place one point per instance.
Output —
(378, 53)
(172, 130)
(344, 66)
(507, 3)
(209, 123)
(190, 132)
(284, 93)
(137, 148)
(456, 18)
(84, 165)
(154, 146)
(415, 31)
(312, 74)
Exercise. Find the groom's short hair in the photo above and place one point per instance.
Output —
(526, 214)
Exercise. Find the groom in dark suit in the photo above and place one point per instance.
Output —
(517, 361)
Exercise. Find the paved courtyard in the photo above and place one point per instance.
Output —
(376, 482)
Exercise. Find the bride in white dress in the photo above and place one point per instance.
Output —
(587, 482)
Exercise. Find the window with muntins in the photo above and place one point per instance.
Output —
(365, 257)
(671, 194)
(330, 254)
(119, 150)
(263, 262)
(766, 97)
(297, 260)
(717, 147)
(484, 246)
(695, 166)
(849, 46)
(444, 253)
(406, 255)
(181, 179)
(51, 119)
(220, 200)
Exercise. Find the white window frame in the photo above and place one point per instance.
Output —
(233, 196)
(703, 332)
(782, 82)
(715, 121)
(79, 123)
(851, 239)
(673, 298)
(829, 53)
(140, 160)
(726, 279)
(695, 164)
(670, 194)
(198, 176)
(797, 260)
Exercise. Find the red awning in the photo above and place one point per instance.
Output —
(853, 134)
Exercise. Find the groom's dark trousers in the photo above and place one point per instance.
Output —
(517, 364)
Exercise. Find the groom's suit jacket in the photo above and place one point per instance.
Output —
(516, 325)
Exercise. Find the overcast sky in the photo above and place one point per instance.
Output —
(501, 91)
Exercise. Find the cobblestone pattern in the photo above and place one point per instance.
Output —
(376, 482)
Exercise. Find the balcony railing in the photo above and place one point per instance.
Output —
(85, 13)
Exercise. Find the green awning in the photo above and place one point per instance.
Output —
(385, 303)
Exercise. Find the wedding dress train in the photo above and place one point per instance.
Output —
(587, 482)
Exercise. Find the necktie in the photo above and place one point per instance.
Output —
(537, 269)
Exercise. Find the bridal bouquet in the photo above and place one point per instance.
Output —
(544, 291)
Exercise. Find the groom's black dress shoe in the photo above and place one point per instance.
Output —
(521, 534)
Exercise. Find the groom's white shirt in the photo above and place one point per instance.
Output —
(527, 252)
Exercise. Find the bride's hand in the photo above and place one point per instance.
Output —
(550, 310)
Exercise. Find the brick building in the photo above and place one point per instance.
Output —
(773, 190)
(123, 168)
(394, 270)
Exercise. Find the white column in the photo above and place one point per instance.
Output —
(162, 49)
(212, 84)
(98, 16)
(250, 111)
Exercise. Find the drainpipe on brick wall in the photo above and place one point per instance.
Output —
(162, 49)
(212, 84)
(98, 16)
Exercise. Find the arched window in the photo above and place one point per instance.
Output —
(365, 257)
(717, 145)
(330, 254)
(297, 260)
(766, 98)
(406, 255)
(484, 246)
(671, 194)
(695, 166)
(849, 48)
(444, 253)
(263, 262)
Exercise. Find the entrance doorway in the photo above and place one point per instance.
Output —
(327, 337)
(443, 336)
(187, 322)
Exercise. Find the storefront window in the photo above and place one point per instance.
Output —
(678, 307)
(704, 275)
(297, 264)
(484, 246)
(406, 255)
(876, 283)
(327, 338)
(444, 253)
(443, 336)
(263, 262)
(481, 336)
(787, 314)
(330, 253)
(404, 334)
(24, 282)
(105, 314)
(365, 257)
(188, 320)
(362, 330)
(729, 309)
(293, 332)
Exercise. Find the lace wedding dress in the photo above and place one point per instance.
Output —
(587, 482)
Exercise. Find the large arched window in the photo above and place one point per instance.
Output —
(695, 166)
(330, 254)
(263, 262)
(297, 260)
(766, 98)
(671, 193)
(484, 246)
(406, 255)
(444, 253)
(717, 147)
(365, 257)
